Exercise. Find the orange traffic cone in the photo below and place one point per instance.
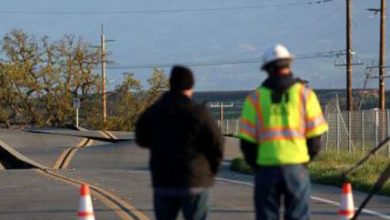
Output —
(347, 207)
(85, 207)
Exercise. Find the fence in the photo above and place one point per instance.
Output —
(229, 126)
(348, 131)
(357, 131)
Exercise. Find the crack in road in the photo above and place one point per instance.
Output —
(12, 159)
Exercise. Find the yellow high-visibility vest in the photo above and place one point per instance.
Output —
(280, 129)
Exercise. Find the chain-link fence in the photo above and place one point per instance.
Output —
(229, 126)
(355, 131)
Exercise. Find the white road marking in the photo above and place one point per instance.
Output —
(226, 163)
(326, 201)
(367, 211)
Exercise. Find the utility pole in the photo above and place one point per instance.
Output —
(382, 57)
(221, 114)
(221, 106)
(349, 59)
(102, 48)
(104, 95)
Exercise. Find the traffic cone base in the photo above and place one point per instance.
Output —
(85, 214)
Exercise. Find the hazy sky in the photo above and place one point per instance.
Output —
(176, 32)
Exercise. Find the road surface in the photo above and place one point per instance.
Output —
(119, 177)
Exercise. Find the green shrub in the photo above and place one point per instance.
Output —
(239, 165)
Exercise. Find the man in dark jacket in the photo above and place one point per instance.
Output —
(186, 150)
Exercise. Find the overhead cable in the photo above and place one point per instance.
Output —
(250, 7)
(215, 62)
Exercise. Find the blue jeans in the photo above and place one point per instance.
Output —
(290, 181)
(194, 207)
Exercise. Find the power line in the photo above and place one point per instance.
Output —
(205, 63)
(216, 62)
(251, 7)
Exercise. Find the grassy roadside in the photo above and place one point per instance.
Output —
(327, 168)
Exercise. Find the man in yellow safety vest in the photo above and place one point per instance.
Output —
(280, 130)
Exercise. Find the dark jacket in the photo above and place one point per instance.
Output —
(185, 143)
(278, 85)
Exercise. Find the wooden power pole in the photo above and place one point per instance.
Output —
(349, 58)
(104, 95)
(221, 114)
(103, 60)
(382, 57)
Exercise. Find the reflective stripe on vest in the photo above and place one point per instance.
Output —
(280, 134)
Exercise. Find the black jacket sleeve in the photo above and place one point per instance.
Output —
(249, 150)
(314, 146)
(143, 130)
(214, 142)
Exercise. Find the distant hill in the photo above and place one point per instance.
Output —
(324, 95)
(220, 96)
(239, 96)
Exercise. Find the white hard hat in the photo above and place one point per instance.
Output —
(277, 52)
